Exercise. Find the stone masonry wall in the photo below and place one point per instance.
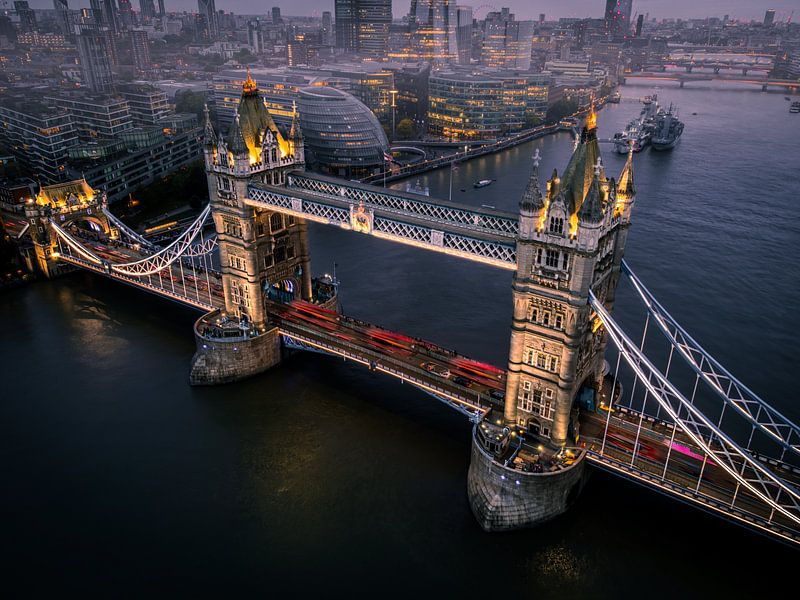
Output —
(503, 499)
(221, 361)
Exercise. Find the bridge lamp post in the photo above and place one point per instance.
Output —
(394, 107)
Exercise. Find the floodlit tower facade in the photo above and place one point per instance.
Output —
(262, 253)
(571, 242)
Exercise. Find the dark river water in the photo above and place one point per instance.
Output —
(318, 478)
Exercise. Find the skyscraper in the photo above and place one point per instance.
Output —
(141, 51)
(110, 19)
(327, 29)
(373, 18)
(147, 9)
(769, 17)
(95, 59)
(618, 18)
(276, 15)
(434, 24)
(507, 42)
(27, 17)
(464, 34)
(161, 9)
(125, 14)
(208, 13)
(62, 13)
(346, 38)
(363, 26)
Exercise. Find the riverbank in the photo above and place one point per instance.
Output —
(490, 147)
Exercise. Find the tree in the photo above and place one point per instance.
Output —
(405, 129)
(190, 102)
(561, 109)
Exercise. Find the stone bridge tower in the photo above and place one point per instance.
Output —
(261, 252)
(571, 241)
(68, 205)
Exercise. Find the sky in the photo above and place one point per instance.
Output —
(524, 9)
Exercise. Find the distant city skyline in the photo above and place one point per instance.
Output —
(524, 9)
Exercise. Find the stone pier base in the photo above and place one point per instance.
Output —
(502, 498)
(228, 359)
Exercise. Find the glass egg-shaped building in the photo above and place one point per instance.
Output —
(342, 136)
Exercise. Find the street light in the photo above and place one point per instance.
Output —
(394, 106)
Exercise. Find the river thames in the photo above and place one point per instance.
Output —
(319, 478)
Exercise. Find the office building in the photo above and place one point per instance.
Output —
(507, 42)
(27, 16)
(95, 59)
(341, 135)
(467, 106)
(276, 15)
(122, 166)
(464, 34)
(769, 17)
(141, 51)
(63, 17)
(618, 18)
(209, 19)
(433, 25)
(125, 14)
(147, 9)
(162, 11)
(94, 115)
(362, 26)
(327, 29)
(37, 135)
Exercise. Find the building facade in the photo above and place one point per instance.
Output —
(96, 59)
(95, 115)
(341, 135)
(38, 135)
(507, 42)
(467, 106)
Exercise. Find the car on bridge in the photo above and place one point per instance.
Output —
(436, 369)
(460, 380)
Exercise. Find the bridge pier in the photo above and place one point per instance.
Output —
(503, 498)
(229, 350)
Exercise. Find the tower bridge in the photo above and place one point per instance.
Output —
(577, 388)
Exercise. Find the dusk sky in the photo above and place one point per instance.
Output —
(524, 9)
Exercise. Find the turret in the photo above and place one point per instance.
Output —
(626, 190)
(209, 136)
(238, 147)
(296, 136)
(591, 214)
(532, 203)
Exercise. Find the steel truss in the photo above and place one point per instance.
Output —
(460, 216)
(497, 253)
(737, 462)
(733, 392)
(144, 242)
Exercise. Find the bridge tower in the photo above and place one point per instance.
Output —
(571, 240)
(263, 254)
(67, 205)
(261, 251)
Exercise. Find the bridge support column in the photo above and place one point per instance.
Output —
(682, 82)
(227, 352)
(502, 498)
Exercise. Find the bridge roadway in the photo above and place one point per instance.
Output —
(636, 446)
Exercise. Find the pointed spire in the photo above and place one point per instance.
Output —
(295, 134)
(249, 85)
(625, 186)
(237, 143)
(532, 199)
(592, 208)
(209, 137)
